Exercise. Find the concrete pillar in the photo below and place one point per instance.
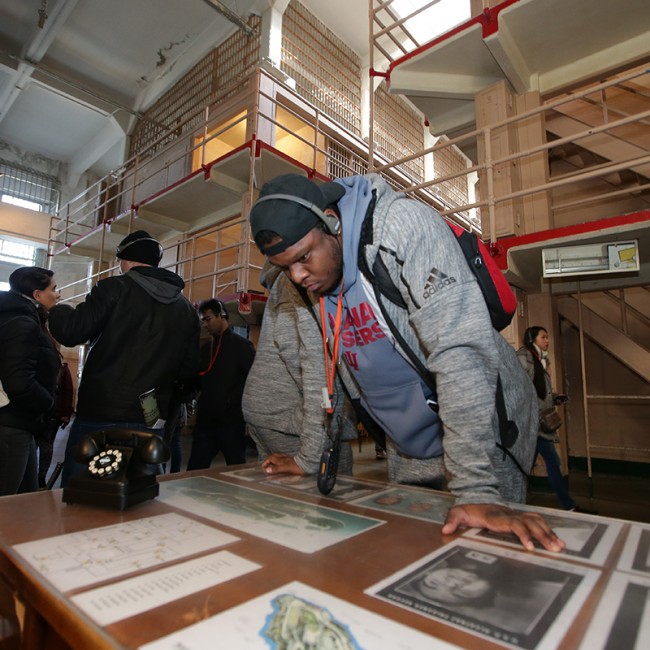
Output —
(271, 33)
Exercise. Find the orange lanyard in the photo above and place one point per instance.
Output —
(214, 358)
(330, 371)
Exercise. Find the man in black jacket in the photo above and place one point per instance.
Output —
(143, 335)
(224, 367)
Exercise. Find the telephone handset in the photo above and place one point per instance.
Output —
(121, 468)
(329, 462)
(328, 469)
(150, 448)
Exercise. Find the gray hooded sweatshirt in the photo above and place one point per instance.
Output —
(448, 326)
(283, 393)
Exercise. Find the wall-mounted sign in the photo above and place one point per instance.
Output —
(588, 259)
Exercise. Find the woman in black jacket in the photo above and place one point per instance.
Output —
(533, 356)
(29, 365)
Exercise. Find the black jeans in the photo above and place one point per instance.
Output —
(18, 466)
(45, 445)
(207, 442)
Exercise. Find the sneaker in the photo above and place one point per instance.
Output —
(380, 454)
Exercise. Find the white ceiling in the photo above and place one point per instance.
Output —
(544, 45)
(72, 89)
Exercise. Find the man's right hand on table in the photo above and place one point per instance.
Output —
(281, 464)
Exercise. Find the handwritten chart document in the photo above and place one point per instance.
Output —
(90, 556)
(111, 603)
(297, 616)
(304, 527)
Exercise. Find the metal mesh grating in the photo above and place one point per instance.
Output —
(326, 71)
(216, 75)
(27, 188)
(449, 161)
(398, 131)
(343, 162)
(174, 107)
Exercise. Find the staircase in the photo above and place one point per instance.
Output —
(625, 146)
(610, 420)
(622, 329)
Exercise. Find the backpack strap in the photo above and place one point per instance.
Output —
(425, 374)
(383, 286)
(508, 429)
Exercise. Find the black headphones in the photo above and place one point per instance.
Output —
(222, 309)
(332, 224)
(529, 338)
(121, 248)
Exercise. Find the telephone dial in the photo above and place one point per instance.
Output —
(121, 468)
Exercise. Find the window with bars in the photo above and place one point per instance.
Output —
(326, 71)
(344, 162)
(453, 191)
(399, 131)
(27, 188)
(216, 76)
(15, 253)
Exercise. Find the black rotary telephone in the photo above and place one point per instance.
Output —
(122, 465)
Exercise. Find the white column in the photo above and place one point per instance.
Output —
(271, 33)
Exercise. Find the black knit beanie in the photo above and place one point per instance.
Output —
(141, 247)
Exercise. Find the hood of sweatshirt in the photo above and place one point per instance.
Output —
(269, 274)
(353, 207)
(162, 285)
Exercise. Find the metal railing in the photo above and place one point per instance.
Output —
(327, 149)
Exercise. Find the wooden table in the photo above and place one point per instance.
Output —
(343, 570)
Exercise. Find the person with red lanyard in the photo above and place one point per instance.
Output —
(225, 363)
(286, 418)
(326, 238)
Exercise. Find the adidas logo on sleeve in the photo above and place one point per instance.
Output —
(436, 281)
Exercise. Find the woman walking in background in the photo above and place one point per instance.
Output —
(29, 366)
(533, 356)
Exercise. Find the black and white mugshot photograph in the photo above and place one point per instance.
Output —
(586, 536)
(636, 554)
(622, 619)
(512, 598)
